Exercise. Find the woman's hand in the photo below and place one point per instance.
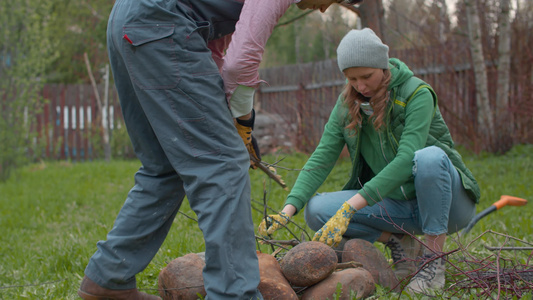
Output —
(275, 222)
(331, 233)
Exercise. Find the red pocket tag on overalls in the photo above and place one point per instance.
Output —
(127, 38)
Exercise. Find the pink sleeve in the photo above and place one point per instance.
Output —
(255, 25)
(217, 48)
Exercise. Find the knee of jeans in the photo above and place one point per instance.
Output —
(428, 159)
(313, 219)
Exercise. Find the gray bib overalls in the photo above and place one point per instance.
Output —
(175, 110)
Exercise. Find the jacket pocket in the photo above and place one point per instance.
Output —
(150, 55)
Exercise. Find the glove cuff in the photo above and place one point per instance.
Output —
(248, 123)
(242, 100)
(348, 209)
(284, 215)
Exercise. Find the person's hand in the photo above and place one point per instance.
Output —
(331, 233)
(245, 128)
(273, 223)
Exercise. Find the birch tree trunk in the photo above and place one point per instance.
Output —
(106, 121)
(442, 18)
(484, 113)
(504, 117)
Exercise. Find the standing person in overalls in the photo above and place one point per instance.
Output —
(174, 82)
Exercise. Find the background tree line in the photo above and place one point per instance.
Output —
(45, 41)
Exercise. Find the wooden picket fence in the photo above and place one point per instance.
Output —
(302, 96)
(69, 126)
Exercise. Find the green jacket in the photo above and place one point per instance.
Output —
(382, 160)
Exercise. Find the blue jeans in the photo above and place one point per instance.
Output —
(441, 205)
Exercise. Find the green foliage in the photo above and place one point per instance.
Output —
(77, 27)
(121, 147)
(504, 175)
(25, 53)
(303, 37)
(120, 142)
(338, 291)
(53, 213)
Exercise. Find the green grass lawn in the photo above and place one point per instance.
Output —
(53, 213)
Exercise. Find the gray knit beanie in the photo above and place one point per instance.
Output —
(362, 48)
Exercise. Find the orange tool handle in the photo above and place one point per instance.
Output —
(509, 200)
(504, 201)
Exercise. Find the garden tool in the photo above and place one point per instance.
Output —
(504, 201)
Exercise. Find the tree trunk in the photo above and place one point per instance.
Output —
(504, 121)
(106, 120)
(372, 15)
(443, 16)
(484, 113)
(102, 108)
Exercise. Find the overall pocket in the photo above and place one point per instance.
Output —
(197, 55)
(150, 55)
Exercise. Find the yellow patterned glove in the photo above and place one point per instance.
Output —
(331, 233)
(273, 223)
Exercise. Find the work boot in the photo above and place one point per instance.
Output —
(404, 251)
(431, 277)
(89, 290)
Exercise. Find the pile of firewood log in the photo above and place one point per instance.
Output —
(309, 270)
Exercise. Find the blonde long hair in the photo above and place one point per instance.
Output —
(353, 100)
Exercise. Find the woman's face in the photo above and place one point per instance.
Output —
(322, 5)
(366, 81)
